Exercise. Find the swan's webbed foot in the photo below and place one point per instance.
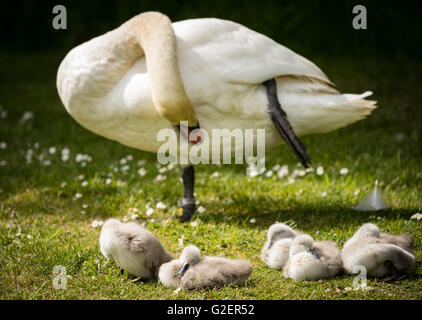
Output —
(279, 118)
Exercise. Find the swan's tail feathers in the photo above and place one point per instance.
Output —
(355, 106)
(359, 103)
(328, 112)
(279, 118)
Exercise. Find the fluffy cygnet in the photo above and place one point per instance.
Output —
(191, 271)
(275, 252)
(134, 248)
(309, 260)
(380, 253)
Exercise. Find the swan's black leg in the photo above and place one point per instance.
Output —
(188, 202)
(279, 118)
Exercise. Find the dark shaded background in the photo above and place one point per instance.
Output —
(310, 27)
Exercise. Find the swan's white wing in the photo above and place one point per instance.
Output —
(237, 54)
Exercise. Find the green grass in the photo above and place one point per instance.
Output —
(41, 224)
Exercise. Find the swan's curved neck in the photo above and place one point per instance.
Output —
(295, 249)
(153, 34)
(90, 71)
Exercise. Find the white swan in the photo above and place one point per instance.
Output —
(191, 271)
(275, 252)
(149, 74)
(134, 248)
(309, 260)
(380, 253)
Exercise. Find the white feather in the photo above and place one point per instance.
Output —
(222, 65)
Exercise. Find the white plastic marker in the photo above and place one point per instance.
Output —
(373, 201)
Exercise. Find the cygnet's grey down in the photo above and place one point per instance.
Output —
(309, 260)
(275, 252)
(381, 254)
(193, 272)
(134, 248)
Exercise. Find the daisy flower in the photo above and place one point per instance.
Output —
(320, 171)
(142, 172)
(344, 171)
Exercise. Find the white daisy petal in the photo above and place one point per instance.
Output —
(320, 171)
(269, 173)
(283, 172)
(344, 171)
(160, 178)
(160, 205)
(416, 216)
(180, 241)
(142, 172)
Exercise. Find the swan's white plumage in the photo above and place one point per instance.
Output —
(237, 54)
(134, 248)
(309, 260)
(279, 253)
(203, 272)
(379, 253)
(275, 252)
(222, 65)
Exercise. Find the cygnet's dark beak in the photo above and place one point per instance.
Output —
(183, 269)
(312, 251)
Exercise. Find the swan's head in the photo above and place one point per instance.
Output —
(280, 231)
(190, 255)
(302, 243)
